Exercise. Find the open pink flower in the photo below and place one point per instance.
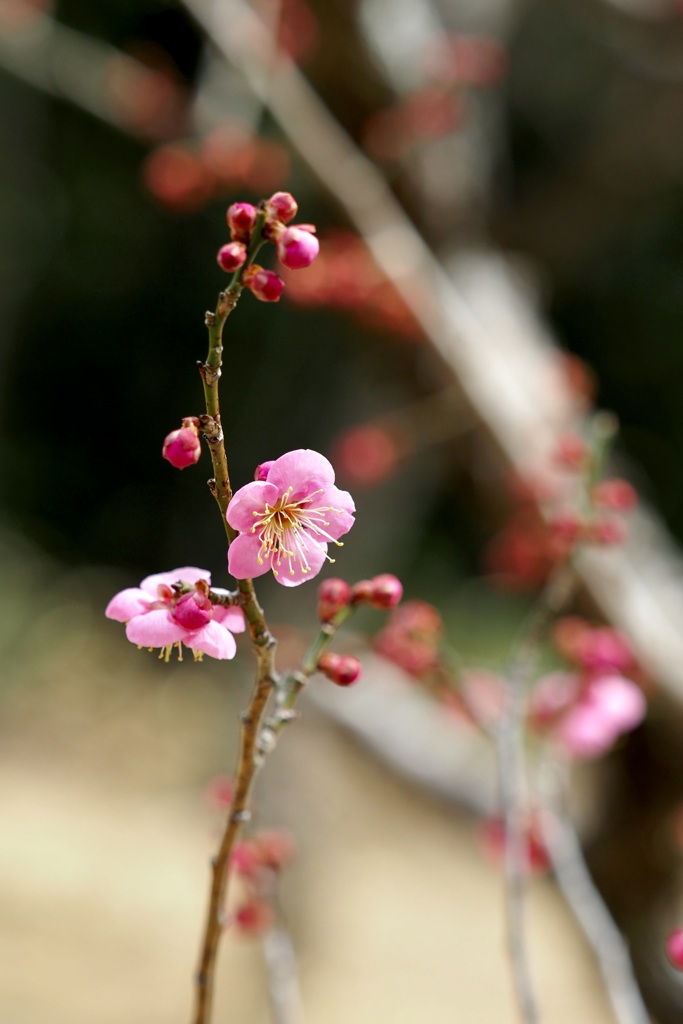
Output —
(610, 705)
(173, 608)
(286, 520)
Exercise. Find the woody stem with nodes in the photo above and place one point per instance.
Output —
(262, 641)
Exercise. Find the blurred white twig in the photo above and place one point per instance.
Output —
(586, 903)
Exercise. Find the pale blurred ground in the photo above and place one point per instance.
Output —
(105, 837)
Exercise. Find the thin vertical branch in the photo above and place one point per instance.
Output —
(587, 905)
(513, 783)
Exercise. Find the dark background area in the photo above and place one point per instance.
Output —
(104, 288)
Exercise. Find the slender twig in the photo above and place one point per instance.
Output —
(512, 779)
(262, 641)
(585, 901)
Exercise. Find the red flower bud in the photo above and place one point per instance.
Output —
(231, 256)
(387, 591)
(241, 220)
(674, 949)
(342, 669)
(265, 285)
(284, 206)
(333, 595)
(182, 447)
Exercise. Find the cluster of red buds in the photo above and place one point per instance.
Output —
(556, 512)
(347, 278)
(453, 64)
(296, 244)
(412, 638)
(587, 708)
(382, 592)
(258, 861)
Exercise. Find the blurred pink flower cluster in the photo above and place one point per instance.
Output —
(585, 710)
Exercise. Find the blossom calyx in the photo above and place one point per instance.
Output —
(341, 669)
(182, 447)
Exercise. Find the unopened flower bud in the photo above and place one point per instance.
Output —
(361, 592)
(342, 669)
(674, 949)
(232, 256)
(193, 611)
(254, 917)
(265, 285)
(333, 595)
(182, 447)
(386, 592)
(262, 470)
(607, 530)
(284, 206)
(571, 451)
(241, 220)
(616, 494)
(297, 246)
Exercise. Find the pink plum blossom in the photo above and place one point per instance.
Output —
(609, 706)
(287, 520)
(173, 608)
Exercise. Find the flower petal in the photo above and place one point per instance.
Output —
(188, 574)
(290, 573)
(340, 518)
(251, 498)
(304, 470)
(213, 639)
(230, 618)
(127, 603)
(243, 557)
(154, 629)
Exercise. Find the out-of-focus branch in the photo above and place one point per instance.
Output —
(587, 905)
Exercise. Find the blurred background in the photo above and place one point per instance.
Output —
(536, 147)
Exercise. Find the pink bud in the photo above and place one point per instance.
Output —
(616, 494)
(342, 669)
(333, 595)
(297, 246)
(262, 470)
(284, 206)
(182, 447)
(246, 857)
(674, 949)
(241, 219)
(265, 285)
(361, 592)
(232, 256)
(571, 451)
(607, 530)
(276, 846)
(386, 592)
(193, 611)
(220, 791)
(254, 917)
